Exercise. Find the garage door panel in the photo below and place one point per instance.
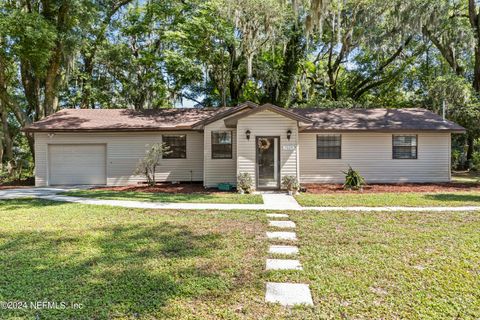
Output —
(77, 164)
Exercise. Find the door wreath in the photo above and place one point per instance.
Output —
(263, 144)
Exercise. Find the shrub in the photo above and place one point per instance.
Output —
(148, 165)
(353, 180)
(290, 183)
(245, 182)
(475, 164)
(457, 159)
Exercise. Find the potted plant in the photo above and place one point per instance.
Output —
(291, 184)
(245, 183)
(353, 180)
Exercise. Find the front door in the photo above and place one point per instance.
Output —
(268, 164)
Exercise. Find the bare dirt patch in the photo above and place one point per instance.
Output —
(164, 188)
(394, 188)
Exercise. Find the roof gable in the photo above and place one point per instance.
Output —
(231, 111)
(232, 121)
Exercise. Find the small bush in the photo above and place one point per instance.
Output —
(245, 182)
(290, 183)
(475, 164)
(148, 165)
(457, 159)
(353, 180)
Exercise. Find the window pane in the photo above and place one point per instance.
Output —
(329, 146)
(177, 146)
(404, 147)
(222, 137)
(221, 145)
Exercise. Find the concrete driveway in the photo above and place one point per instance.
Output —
(37, 192)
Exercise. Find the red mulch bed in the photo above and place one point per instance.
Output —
(406, 187)
(164, 188)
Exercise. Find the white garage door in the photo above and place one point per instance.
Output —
(77, 164)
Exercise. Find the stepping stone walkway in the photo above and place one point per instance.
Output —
(287, 250)
(286, 294)
(283, 264)
(282, 224)
(280, 235)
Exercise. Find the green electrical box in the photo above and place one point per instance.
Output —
(224, 186)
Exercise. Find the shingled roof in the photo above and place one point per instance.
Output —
(376, 120)
(123, 119)
(414, 119)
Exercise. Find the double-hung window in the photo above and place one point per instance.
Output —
(221, 144)
(405, 147)
(329, 146)
(177, 146)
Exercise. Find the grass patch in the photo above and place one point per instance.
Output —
(168, 197)
(390, 265)
(466, 177)
(128, 263)
(440, 199)
(157, 264)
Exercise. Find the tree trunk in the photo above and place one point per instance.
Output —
(476, 70)
(295, 51)
(86, 83)
(50, 103)
(236, 80)
(7, 139)
(1, 152)
(470, 151)
(332, 84)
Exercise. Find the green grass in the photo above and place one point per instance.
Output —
(447, 199)
(156, 264)
(390, 265)
(168, 197)
(466, 177)
(123, 263)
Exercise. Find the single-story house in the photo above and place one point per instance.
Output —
(214, 145)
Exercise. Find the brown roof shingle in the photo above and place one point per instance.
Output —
(376, 120)
(185, 119)
(122, 119)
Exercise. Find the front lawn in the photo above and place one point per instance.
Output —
(447, 199)
(123, 263)
(218, 197)
(390, 265)
(129, 263)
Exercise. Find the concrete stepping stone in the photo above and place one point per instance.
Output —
(283, 264)
(277, 215)
(288, 294)
(282, 235)
(281, 224)
(283, 249)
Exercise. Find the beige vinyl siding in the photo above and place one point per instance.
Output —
(124, 149)
(218, 170)
(371, 155)
(266, 123)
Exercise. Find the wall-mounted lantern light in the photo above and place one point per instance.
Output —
(51, 135)
(289, 134)
(247, 134)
